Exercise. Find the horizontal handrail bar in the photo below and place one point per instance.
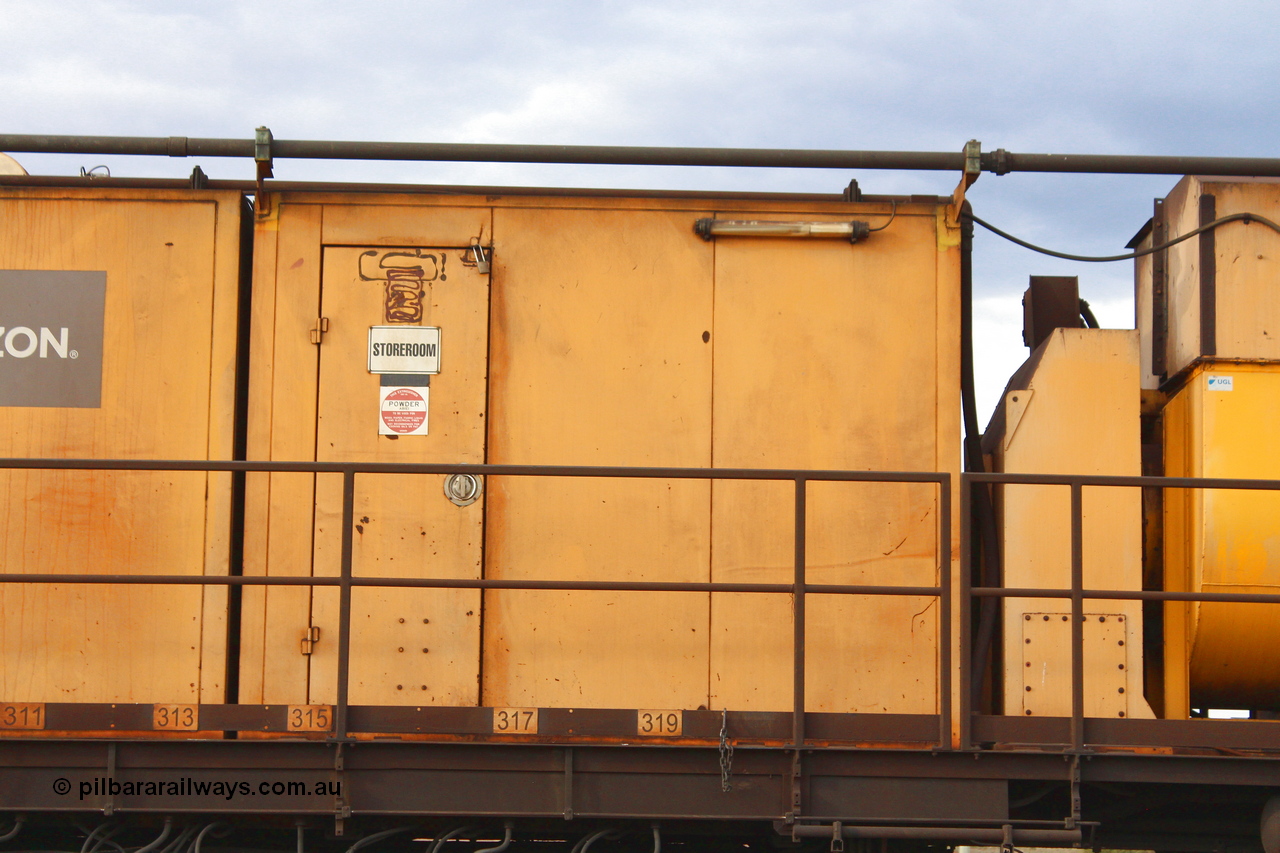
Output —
(265, 466)
(1135, 481)
(998, 161)
(1125, 595)
(615, 471)
(467, 583)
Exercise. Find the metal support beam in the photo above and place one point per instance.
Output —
(798, 651)
(344, 602)
(1077, 616)
(972, 835)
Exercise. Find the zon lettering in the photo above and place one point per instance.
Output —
(22, 342)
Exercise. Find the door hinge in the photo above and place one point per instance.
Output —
(309, 639)
(318, 330)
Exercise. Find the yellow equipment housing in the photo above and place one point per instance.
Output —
(1209, 316)
(605, 332)
(170, 261)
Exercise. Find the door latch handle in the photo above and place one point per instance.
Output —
(309, 639)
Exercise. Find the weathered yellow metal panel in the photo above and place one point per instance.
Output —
(832, 356)
(171, 267)
(1222, 540)
(1181, 539)
(406, 221)
(1073, 409)
(1243, 303)
(616, 336)
(1144, 315)
(1041, 676)
(319, 401)
(257, 499)
(1182, 263)
(284, 368)
(408, 646)
(602, 331)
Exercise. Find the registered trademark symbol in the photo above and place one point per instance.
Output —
(75, 354)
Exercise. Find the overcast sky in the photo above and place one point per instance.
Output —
(1066, 77)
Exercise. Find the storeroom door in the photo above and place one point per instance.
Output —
(428, 308)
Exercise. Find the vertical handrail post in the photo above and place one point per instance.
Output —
(344, 601)
(798, 652)
(798, 640)
(944, 612)
(966, 611)
(1077, 616)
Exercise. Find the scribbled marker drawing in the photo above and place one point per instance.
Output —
(407, 275)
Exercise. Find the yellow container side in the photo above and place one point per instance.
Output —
(605, 333)
(1075, 411)
(169, 262)
(1221, 540)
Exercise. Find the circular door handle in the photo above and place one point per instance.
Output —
(462, 489)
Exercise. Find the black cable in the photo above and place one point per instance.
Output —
(893, 214)
(1235, 217)
(507, 826)
(438, 844)
(986, 539)
(386, 833)
(106, 840)
(1086, 313)
(18, 823)
(93, 836)
(219, 830)
(164, 834)
(179, 844)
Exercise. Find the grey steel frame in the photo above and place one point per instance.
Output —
(346, 581)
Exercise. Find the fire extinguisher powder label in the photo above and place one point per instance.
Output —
(402, 410)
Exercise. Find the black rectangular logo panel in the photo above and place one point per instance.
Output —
(51, 325)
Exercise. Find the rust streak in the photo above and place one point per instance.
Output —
(896, 547)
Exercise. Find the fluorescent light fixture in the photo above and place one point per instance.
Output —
(709, 229)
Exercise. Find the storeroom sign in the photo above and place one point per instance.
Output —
(51, 338)
(404, 349)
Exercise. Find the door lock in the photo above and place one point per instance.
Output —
(462, 489)
(477, 255)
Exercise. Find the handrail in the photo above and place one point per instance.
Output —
(800, 588)
(264, 149)
(346, 582)
(1076, 591)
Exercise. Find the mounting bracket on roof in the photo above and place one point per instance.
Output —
(972, 169)
(262, 140)
(262, 157)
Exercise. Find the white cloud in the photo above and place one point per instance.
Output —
(998, 350)
(1077, 76)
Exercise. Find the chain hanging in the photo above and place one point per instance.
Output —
(726, 753)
